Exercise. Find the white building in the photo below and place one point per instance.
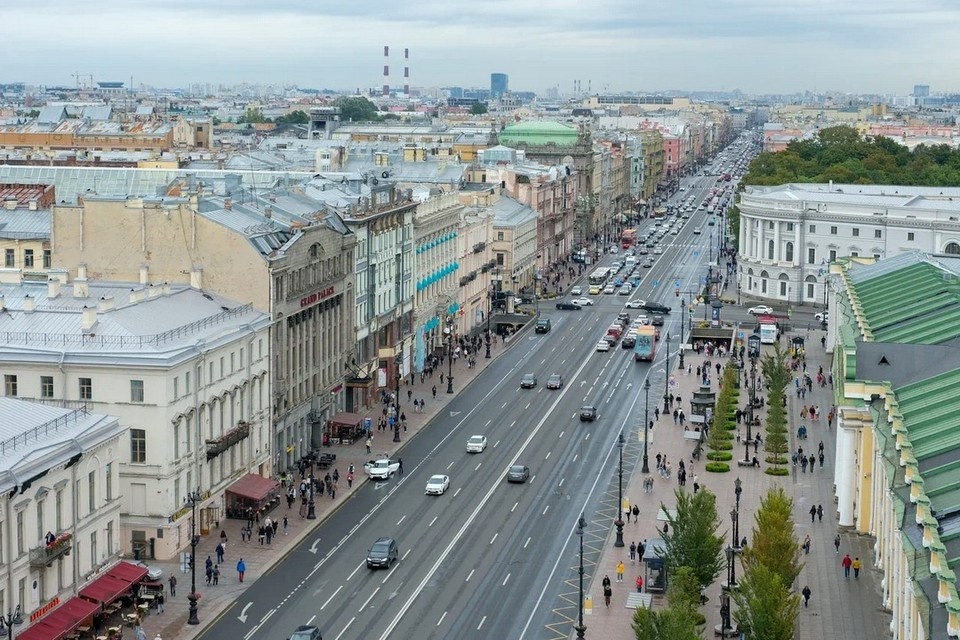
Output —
(185, 371)
(790, 233)
(59, 474)
(476, 266)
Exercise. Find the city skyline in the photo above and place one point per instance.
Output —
(756, 46)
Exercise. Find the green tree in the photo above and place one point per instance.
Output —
(772, 539)
(253, 115)
(294, 117)
(766, 609)
(670, 623)
(357, 109)
(691, 539)
(478, 108)
(777, 376)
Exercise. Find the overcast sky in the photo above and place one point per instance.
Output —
(757, 46)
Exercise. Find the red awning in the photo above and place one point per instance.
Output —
(346, 419)
(253, 487)
(115, 583)
(61, 621)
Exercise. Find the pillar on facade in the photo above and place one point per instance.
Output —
(846, 469)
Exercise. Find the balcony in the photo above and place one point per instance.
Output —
(479, 247)
(219, 445)
(44, 556)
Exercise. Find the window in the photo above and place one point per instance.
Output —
(789, 226)
(499, 235)
(783, 288)
(833, 255)
(10, 385)
(108, 481)
(789, 252)
(952, 249)
(233, 362)
(770, 250)
(46, 386)
(260, 348)
(911, 236)
(47, 259)
(186, 382)
(86, 388)
(811, 255)
(176, 441)
(878, 233)
(854, 254)
(22, 590)
(210, 377)
(20, 532)
(136, 391)
(176, 387)
(833, 231)
(110, 537)
(41, 530)
(810, 290)
(856, 232)
(813, 228)
(58, 505)
(91, 492)
(93, 547)
(241, 357)
(876, 256)
(222, 368)
(138, 445)
(9, 258)
(28, 257)
(500, 259)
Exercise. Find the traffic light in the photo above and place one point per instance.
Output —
(676, 292)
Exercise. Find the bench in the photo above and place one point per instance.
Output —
(324, 460)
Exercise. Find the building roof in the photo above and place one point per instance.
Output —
(539, 132)
(892, 197)
(35, 437)
(23, 224)
(508, 212)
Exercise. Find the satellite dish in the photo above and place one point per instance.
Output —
(385, 175)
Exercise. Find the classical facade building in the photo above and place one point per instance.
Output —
(60, 517)
(186, 372)
(476, 266)
(25, 229)
(789, 234)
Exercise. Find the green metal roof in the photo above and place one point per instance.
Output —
(918, 304)
(539, 132)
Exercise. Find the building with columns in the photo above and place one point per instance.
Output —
(790, 233)
(894, 329)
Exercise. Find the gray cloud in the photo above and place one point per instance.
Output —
(882, 46)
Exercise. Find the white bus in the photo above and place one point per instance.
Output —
(599, 276)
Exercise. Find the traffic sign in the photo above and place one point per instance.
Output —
(656, 283)
(703, 279)
(676, 283)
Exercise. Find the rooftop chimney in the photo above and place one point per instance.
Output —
(89, 318)
(53, 288)
(165, 289)
(29, 304)
(144, 274)
(3, 303)
(228, 203)
(82, 271)
(136, 295)
(106, 303)
(152, 291)
(10, 203)
(196, 278)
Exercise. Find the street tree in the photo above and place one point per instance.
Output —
(773, 542)
(478, 108)
(671, 623)
(357, 109)
(691, 538)
(766, 609)
(294, 117)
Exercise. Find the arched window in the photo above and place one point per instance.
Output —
(763, 281)
(788, 254)
(769, 249)
(952, 249)
(811, 282)
(784, 280)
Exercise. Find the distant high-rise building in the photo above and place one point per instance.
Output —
(921, 91)
(499, 84)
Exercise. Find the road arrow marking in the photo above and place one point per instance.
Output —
(313, 547)
(243, 614)
(454, 414)
(379, 485)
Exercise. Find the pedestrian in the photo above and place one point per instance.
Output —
(369, 443)
(806, 544)
(400, 466)
(856, 568)
(636, 513)
(836, 543)
(633, 552)
(349, 479)
(813, 513)
(219, 551)
(846, 563)
(138, 632)
(639, 584)
(173, 586)
(620, 569)
(806, 595)
(261, 534)
(656, 413)
(434, 392)
(820, 513)
(241, 569)
(607, 593)
(160, 602)
(216, 574)
(286, 525)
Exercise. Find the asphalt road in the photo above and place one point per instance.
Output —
(482, 560)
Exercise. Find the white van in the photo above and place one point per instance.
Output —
(631, 261)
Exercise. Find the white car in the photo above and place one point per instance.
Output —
(576, 291)
(625, 289)
(381, 469)
(641, 321)
(614, 250)
(635, 304)
(760, 310)
(658, 250)
(603, 345)
(437, 485)
(609, 289)
(583, 302)
(823, 316)
(476, 444)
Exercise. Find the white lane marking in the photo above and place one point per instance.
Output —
(528, 406)
(404, 556)
(345, 628)
(401, 520)
(560, 484)
(575, 456)
(457, 492)
(440, 621)
(312, 618)
(563, 432)
(504, 405)
(354, 572)
(488, 422)
(469, 575)
(482, 620)
(515, 505)
(505, 580)
(548, 455)
(494, 537)
(532, 478)
(527, 542)
(547, 508)
(451, 464)
(364, 605)
(498, 442)
(433, 521)
(331, 597)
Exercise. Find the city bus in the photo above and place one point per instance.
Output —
(646, 346)
(628, 238)
(599, 276)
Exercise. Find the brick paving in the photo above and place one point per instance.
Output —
(850, 609)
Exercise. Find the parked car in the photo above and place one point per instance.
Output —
(603, 345)
(518, 473)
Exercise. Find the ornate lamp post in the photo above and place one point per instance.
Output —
(489, 313)
(449, 331)
(581, 629)
(738, 489)
(683, 308)
(618, 523)
(193, 498)
(11, 620)
(646, 425)
(311, 506)
(398, 362)
(666, 376)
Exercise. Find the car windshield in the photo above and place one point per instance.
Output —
(517, 468)
(381, 547)
(436, 479)
(476, 439)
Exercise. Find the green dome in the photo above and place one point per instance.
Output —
(539, 132)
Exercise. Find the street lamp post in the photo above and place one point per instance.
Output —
(646, 425)
(666, 386)
(682, 309)
(581, 629)
(489, 313)
(738, 489)
(193, 498)
(733, 552)
(11, 620)
(619, 521)
(752, 396)
(311, 505)
(450, 356)
(398, 363)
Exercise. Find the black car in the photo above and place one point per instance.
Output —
(654, 307)
(383, 553)
(588, 413)
(528, 381)
(657, 321)
(629, 342)
(568, 306)
(306, 632)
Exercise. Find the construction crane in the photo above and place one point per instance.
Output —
(77, 76)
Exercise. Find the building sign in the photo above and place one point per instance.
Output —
(317, 296)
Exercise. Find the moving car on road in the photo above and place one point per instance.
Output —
(588, 413)
(383, 553)
(381, 469)
(528, 381)
(437, 485)
(576, 291)
(583, 302)
(518, 473)
(635, 304)
(306, 632)
(568, 306)
(476, 444)
(760, 310)
(656, 307)
(555, 381)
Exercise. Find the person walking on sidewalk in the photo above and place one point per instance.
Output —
(836, 543)
(856, 568)
(806, 595)
(639, 584)
(819, 513)
(846, 563)
(636, 513)
(241, 569)
(620, 569)
(813, 513)
(607, 594)
(633, 552)
(173, 586)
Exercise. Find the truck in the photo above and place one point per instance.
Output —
(628, 238)
(646, 345)
(768, 329)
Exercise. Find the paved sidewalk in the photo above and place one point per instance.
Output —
(839, 608)
(172, 624)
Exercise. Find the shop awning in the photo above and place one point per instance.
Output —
(61, 621)
(346, 419)
(115, 583)
(253, 487)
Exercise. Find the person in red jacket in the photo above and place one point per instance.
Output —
(639, 584)
(846, 563)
